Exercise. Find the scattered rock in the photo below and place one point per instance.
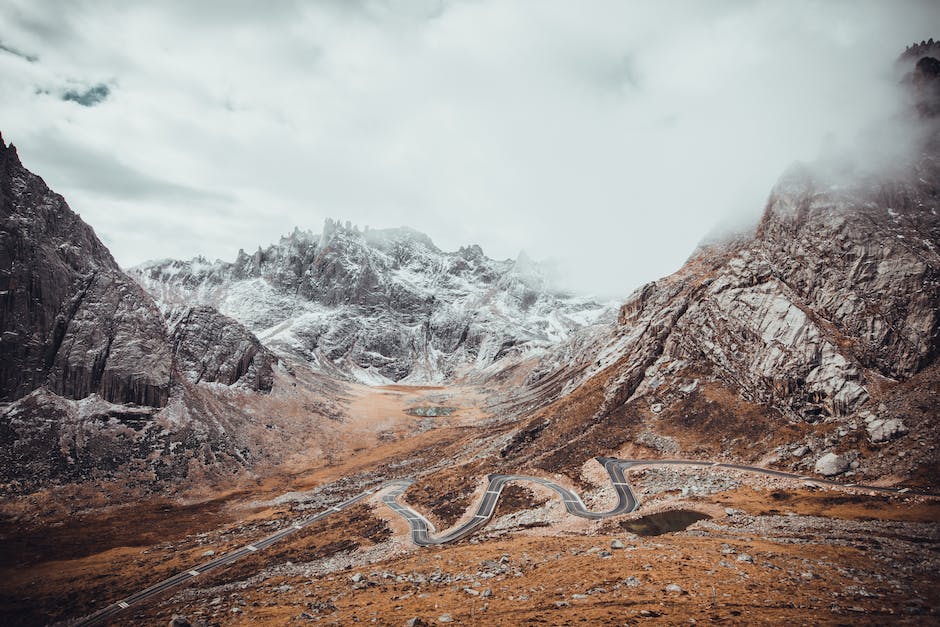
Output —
(415, 622)
(744, 557)
(445, 618)
(675, 588)
(358, 577)
(179, 620)
(800, 451)
(631, 582)
(616, 544)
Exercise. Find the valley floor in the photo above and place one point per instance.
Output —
(769, 550)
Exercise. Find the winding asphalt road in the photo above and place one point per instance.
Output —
(422, 528)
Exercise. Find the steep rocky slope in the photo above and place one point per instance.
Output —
(71, 320)
(95, 384)
(814, 338)
(381, 305)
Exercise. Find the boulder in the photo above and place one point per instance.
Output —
(885, 429)
(831, 464)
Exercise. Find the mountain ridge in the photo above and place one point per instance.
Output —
(380, 304)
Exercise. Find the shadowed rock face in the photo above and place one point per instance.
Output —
(211, 347)
(70, 318)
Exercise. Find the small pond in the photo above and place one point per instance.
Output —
(662, 522)
(431, 411)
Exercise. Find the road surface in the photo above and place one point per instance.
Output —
(422, 529)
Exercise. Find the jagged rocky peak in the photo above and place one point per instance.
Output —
(70, 318)
(916, 51)
(379, 304)
(74, 322)
(920, 66)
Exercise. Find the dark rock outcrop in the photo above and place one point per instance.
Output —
(211, 347)
(70, 319)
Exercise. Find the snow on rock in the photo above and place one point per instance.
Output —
(379, 305)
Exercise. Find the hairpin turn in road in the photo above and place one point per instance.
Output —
(422, 529)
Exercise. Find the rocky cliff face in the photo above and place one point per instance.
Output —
(379, 304)
(101, 388)
(70, 318)
(828, 309)
(211, 347)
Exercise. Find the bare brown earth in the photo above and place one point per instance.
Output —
(819, 556)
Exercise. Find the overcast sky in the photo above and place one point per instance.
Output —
(612, 136)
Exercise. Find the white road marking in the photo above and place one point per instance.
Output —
(850, 485)
(194, 573)
(336, 509)
(479, 516)
(903, 490)
(492, 491)
(620, 483)
(297, 526)
(251, 547)
(124, 604)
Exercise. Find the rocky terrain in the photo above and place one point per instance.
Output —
(380, 305)
(96, 385)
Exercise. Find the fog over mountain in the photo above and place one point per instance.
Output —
(201, 129)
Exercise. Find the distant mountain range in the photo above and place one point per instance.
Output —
(380, 305)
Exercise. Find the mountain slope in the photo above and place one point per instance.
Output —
(817, 334)
(380, 305)
(96, 385)
(71, 319)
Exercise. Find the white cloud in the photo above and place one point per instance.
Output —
(608, 134)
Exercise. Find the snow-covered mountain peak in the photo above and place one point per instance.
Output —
(380, 304)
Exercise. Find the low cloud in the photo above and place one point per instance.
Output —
(611, 136)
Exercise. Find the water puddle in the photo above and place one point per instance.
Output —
(663, 522)
(431, 412)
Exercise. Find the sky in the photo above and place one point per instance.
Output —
(608, 136)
